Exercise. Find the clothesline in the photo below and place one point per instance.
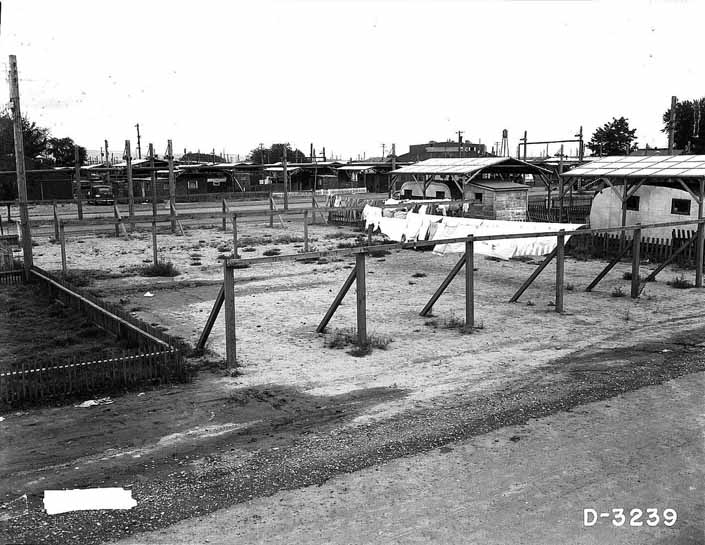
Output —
(410, 226)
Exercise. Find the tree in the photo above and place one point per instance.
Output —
(689, 131)
(613, 138)
(275, 154)
(62, 150)
(34, 140)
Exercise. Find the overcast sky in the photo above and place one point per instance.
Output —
(347, 75)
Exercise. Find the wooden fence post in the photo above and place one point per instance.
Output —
(305, 230)
(56, 223)
(636, 250)
(370, 228)
(154, 243)
(560, 265)
(235, 254)
(271, 208)
(62, 240)
(700, 245)
(225, 210)
(469, 284)
(230, 336)
(361, 300)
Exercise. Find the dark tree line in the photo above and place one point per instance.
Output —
(40, 147)
(689, 130)
(275, 154)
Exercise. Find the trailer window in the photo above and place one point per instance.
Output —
(680, 207)
(408, 193)
(440, 194)
(193, 184)
(633, 203)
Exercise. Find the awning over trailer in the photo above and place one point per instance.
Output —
(650, 166)
(468, 166)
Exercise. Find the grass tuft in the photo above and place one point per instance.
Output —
(343, 338)
(680, 282)
(162, 268)
(617, 292)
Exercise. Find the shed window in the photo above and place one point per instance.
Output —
(165, 186)
(680, 207)
(440, 194)
(633, 203)
(193, 184)
(408, 193)
(478, 197)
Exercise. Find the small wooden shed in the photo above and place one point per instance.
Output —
(496, 200)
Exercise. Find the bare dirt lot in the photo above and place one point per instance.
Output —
(298, 413)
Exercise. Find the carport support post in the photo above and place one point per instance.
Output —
(271, 208)
(636, 247)
(229, 295)
(469, 284)
(361, 299)
(623, 236)
(701, 240)
(225, 211)
(560, 269)
(306, 230)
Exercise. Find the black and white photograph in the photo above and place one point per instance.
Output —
(352, 272)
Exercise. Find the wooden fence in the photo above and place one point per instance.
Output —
(578, 213)
(656, 250)
(41, 384)
(159, 359)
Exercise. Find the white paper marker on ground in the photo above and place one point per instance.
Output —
(63, 501)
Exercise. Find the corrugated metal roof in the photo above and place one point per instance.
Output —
(358, 168)
(289, 170)
(650, 166)
(462, 166)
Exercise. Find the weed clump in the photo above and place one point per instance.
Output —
(162, 268)
(680, 282)
(343, 338)
(617, 292)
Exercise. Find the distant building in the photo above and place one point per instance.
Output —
(443, 150)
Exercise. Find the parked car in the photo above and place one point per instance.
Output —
(101, 194)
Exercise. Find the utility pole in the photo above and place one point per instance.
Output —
(286, 188)
(383, 148)
(139, 147)
(524, 140)
(460, 143)
(19, 165)
(130, 186)
(672, 125)
(172, 187)
(154, 180)
(581, 147)
(107, 163)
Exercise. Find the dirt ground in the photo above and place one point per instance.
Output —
(298, 413)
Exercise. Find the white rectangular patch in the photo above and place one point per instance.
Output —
(63, 501)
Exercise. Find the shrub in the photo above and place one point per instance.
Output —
(249, 249)
(418, 275)
(569, 286)
(162, 268)
(617, 292)
(272, 251)
(680, 282)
